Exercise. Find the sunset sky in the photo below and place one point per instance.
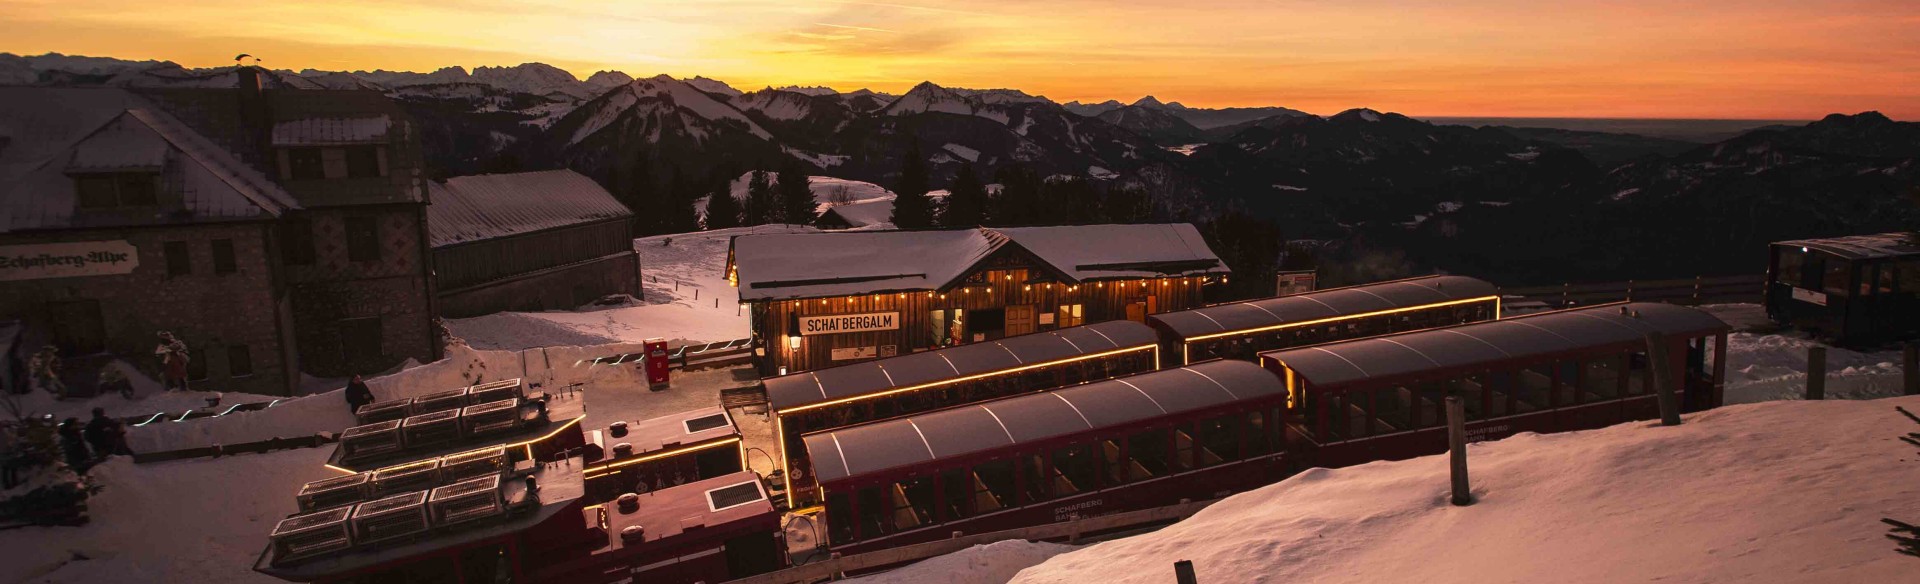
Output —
(1591, 58)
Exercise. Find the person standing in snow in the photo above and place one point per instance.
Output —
(103, 434)
(73, 444)
(173, 361)
(45, 369)
(358, 394)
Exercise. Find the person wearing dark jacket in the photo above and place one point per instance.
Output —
(358, 394)
(103, 434)
(73, 444)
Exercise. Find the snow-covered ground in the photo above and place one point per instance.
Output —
(1766, 367)
(1759, 493)
(994, 562)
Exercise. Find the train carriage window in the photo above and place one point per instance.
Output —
(839, 518)
(1147, 454)
(1566, 381)
(1639, 378)
(1907, 280)
(1183, 447)
(957, 492)
(1034, 473)
(1074, 470)
(1114, 467)
(1535, 389)
(1602, 378)
(1788, 271)
(993, 486)
(1219, 440)
(876, 513)
(1393, 409)
(1884, 283)
(1259, 433)
(1834, 280)
(1499, 392)
(912, 502)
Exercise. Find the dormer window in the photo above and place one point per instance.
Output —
(112, 190)
(332, 148)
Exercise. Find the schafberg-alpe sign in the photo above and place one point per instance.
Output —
(67, 260)
(849, 323)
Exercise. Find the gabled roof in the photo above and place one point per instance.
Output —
(870, 377)
(818, 265)
(1860, 247)
(857, 451)
(1308, 306)
(473, 208)
(200, 182)
(1411, 354)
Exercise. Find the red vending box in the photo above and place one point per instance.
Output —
(657, 363)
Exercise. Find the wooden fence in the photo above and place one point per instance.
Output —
(1697, 290)
(1070, 530)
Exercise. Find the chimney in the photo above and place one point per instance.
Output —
(254, 113)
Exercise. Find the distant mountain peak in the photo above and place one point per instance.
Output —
(1149, 101)
(1859, 119)
(1360, 114)
(609, 79)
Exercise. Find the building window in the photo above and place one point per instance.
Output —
(1070, 315)
(305, 164)
(239, 361)
(121, 189)
(363, 162)
(196, 366)
(333, 162)
(296, 241)
(363, 239)
(178, 262)
(360, 340)
(223, 262)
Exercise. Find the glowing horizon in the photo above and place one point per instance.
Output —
(1761, 59)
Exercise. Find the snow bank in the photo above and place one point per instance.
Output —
(993, 563)
(1774, 367)
(1775, 492)
(148, 398)
(187, 521)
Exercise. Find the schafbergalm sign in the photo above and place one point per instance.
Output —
(67, 260)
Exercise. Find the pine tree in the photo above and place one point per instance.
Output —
(722, 210)
(797, 206)
(761, 201)
(637, 190)
(678, 215)
(1019, 197)
(966, 204)
(912, 208)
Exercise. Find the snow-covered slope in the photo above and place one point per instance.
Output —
(655, 99)
(714, 86)
(1760, 493)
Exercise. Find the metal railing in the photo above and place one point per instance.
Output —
(1696, 290)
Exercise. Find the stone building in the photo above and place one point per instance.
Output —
(528, 241)
(275, 231)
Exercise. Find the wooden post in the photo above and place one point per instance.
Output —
(1910, 366)
(1566, 288)
(1663, 379)
(1457, 448)
(1816, 373)
(1696, 289)
(1629, 290)
(1183, 572)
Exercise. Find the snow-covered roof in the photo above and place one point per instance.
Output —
(870, 448)
(202, 179)
(1337, 364)
(866, 378)
(1255, 314)
(864, 214)
(1858, 247)
(332, 131)
(818, 265)
(472, 208)
(1093, 252)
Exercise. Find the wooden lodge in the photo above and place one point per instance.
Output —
(823, 299)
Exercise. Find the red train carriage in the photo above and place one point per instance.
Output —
(1136, 442)
(1241, 330)
(535, 426)
(650, 455)
(851, 394)
(532, 525)
(1382, 398)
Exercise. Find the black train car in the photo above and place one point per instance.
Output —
(1855, 290)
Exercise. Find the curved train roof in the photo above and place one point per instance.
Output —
(1859, 247)
(869, 448)
(1254, 314)
(800, 389)
(1359, 360)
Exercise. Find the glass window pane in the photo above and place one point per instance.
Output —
(1147, 454)
(993, 486)
(876, 513)
(1219, 440)
(839, 518)
(1037, 479)
(1834, 282)
(96, 192)
(956, 493)
(1074, 470)
(1114, 467)
(138, 188)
